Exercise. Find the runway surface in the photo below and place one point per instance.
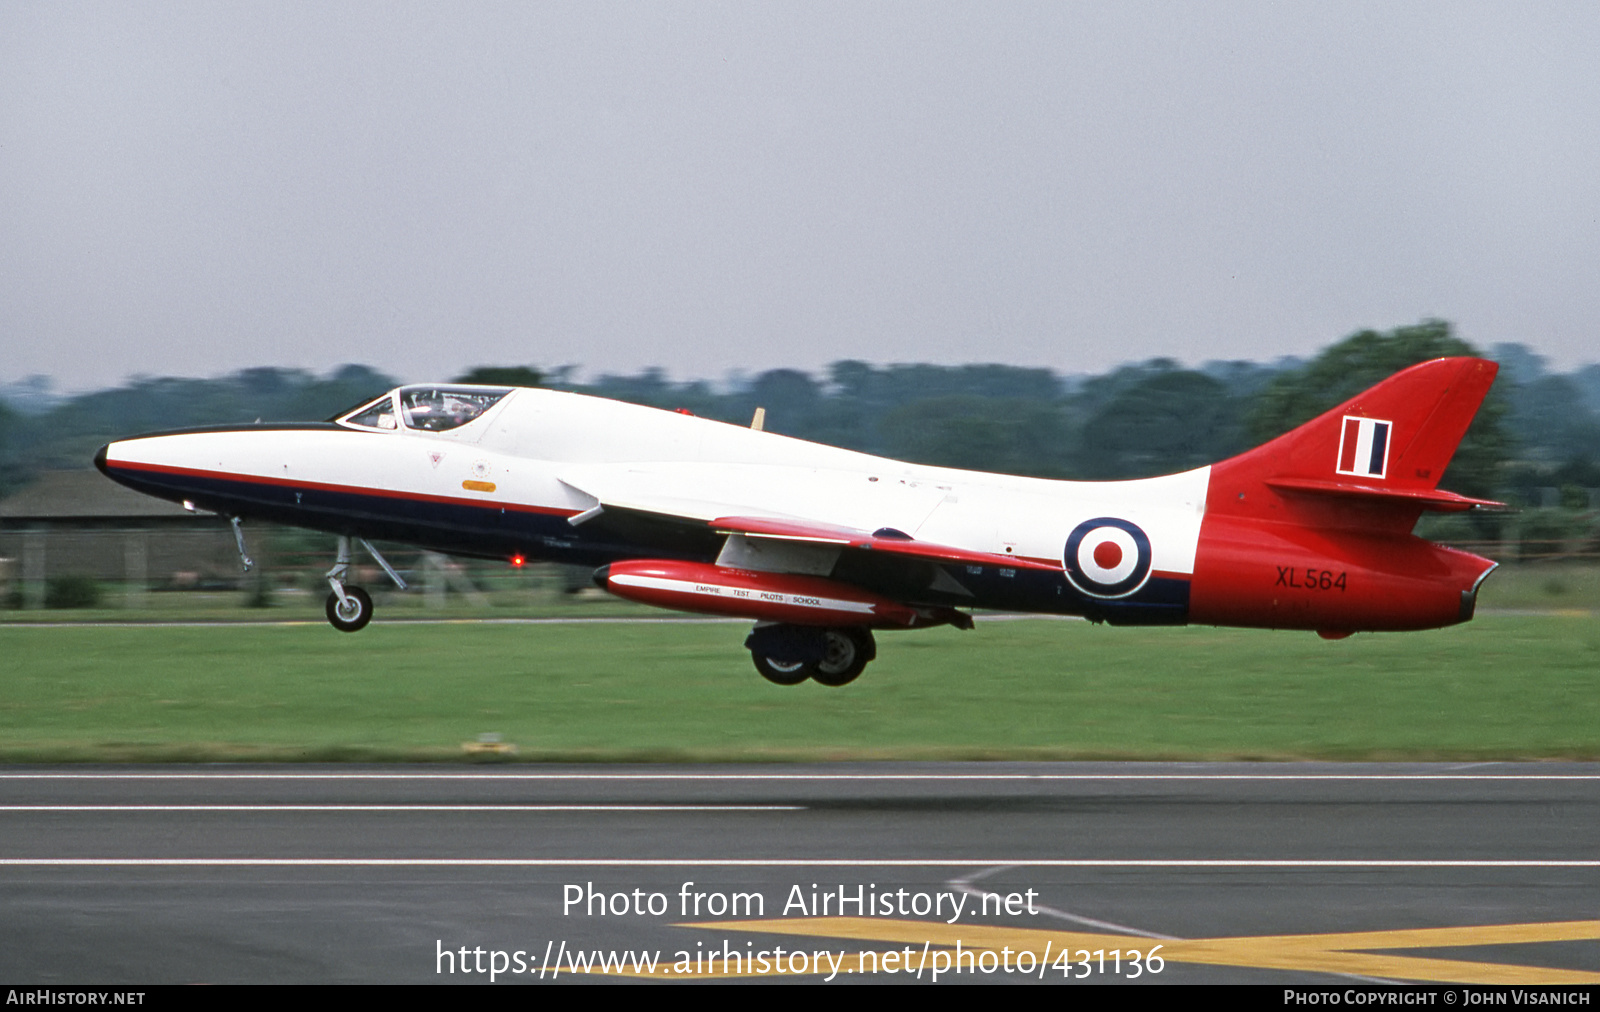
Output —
(1237, 872)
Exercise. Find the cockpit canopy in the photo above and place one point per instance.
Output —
(428, 407)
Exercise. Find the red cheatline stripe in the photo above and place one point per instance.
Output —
(381, 493)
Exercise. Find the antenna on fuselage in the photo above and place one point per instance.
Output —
(759, 420)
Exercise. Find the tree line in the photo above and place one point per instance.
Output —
(1536, 439)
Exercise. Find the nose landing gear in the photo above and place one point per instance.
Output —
(349, 609)
(350, 613)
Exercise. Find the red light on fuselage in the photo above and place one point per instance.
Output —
(517, 561)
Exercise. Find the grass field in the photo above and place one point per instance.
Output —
(1501, 687)
(1569, 585)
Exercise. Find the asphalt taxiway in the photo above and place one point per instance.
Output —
(1263, 873)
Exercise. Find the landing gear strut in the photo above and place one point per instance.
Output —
(350, 608)
(788, 655)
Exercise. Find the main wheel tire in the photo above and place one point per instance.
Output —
(351, 615)
(782, 672)
(849, 650)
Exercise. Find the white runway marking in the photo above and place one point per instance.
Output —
(1198, 864)
(825, 777)
(402, 808)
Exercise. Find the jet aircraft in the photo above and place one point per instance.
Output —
(821, 547)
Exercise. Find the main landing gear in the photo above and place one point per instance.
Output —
(790, 654)
(350, 608)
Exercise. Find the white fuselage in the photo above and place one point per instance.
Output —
(562, 454)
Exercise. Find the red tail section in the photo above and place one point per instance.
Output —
(1313, 530)
(1372, 462)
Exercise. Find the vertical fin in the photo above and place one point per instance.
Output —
(1398, 436)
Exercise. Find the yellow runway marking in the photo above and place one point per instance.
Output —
(1354, 953)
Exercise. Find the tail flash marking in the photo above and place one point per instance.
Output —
(1364, 447)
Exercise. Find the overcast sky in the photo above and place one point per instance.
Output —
(190, 189)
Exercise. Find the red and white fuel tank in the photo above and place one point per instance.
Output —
(745, 593)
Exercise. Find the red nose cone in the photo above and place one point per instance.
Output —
(1108, 555)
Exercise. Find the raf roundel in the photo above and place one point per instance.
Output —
(1107, 557)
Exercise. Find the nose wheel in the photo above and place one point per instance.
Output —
(350, 608)
(352, 613)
